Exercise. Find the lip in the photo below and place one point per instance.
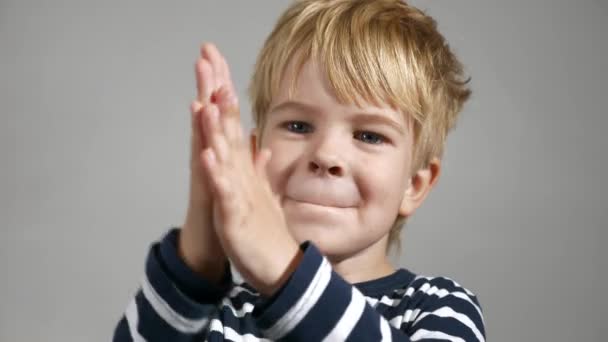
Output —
(316, 204)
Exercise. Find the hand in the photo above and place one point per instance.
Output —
(248, 217)
(199, 246)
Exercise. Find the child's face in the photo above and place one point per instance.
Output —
(341, 172)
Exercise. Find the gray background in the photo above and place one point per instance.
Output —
(94, 137)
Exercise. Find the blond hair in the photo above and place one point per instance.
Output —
(377, 51)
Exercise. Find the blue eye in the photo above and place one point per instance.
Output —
(370, 137)
(298, 127)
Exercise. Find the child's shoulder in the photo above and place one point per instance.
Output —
(429, 300)
(439, 286)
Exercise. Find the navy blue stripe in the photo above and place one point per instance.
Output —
(398, 335)
(215, 336)
(432, 302)
(153, 328)
(274, 308)
(448, 325)
(121, 333)
(440, 283)
(166, 288)
(331, 306)
(367, 327)
(189, 282)
(243, 297)
(401, 278)
(242, 325)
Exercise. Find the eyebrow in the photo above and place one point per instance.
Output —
(359, 117)
(295, 106)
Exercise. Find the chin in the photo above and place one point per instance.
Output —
(331, 240)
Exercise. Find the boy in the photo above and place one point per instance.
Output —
(352, 103)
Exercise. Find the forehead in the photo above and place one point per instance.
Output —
(308, 84)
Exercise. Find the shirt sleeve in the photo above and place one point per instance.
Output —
(172, 303)
(316, 304)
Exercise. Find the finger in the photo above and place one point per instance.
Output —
(220, 185)
(196, 138)
(226, 73)
(214, 133)
(219, 64)
(261, 165)
(195, 112)
(227, 101)
(205, 82)
(231, 120)
(211, 53)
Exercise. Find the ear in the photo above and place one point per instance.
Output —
(420, 185)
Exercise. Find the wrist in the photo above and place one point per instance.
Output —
(286, 270)
(202, 254)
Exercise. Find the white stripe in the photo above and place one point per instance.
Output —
(446, 311)
(434, 290)
(407, 292)
(437, 335)
(443, 293)
(371, 301)
(407, 317)
(234, 293)
(411, 290)
(164, 310)
(232, 335)
(237, 289)
(349, 319)
(385, 330)
(468, 299)
(244, 310)
(133, 320)
(458, 285)
(429, 279)
(298, 311)
(390, 301)
(216, 325)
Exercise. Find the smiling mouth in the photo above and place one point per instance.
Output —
(316, 204)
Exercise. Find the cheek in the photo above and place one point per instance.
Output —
(380, 176)
(382, 187)
(379, 194)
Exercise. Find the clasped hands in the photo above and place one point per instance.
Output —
(247, 217)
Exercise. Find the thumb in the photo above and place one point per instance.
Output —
(262, 159)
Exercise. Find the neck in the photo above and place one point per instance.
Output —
(368, 264)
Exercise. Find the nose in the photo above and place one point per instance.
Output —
(326, 160)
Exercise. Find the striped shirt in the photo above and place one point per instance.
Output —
(315, 304)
